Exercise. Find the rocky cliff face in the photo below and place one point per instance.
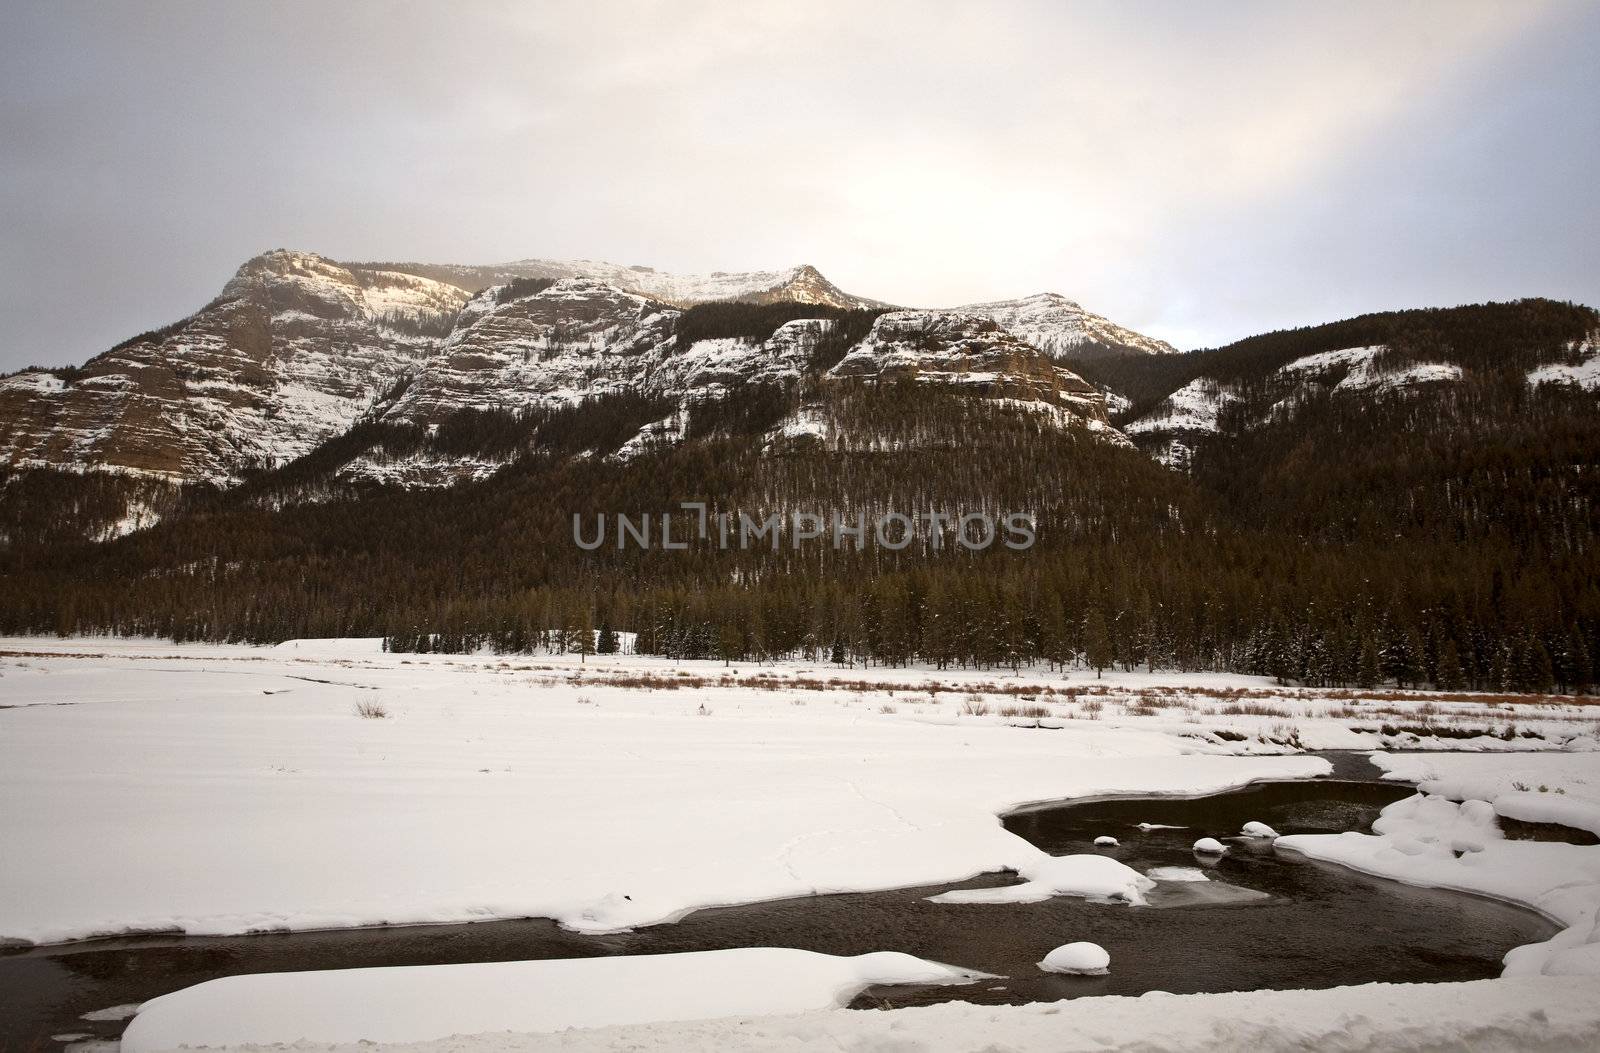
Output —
(298, 348)
(968, 350)
(575, 339)
(294, 351)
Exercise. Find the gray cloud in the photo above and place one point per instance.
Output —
(1200, 172)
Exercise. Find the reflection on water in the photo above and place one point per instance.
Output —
(1262, 921)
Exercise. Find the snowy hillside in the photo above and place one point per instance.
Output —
(1059, 327)
(1580, 367)
(1198, 406)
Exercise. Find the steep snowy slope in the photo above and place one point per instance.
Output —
(292, 352)
(1207, 406)
(1580, 367)
(1059, 327)
(713, 367)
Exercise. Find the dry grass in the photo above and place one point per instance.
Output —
(371, 710)
(1036, 712)
(1256, 709)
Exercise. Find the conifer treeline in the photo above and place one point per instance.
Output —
(1442, 539)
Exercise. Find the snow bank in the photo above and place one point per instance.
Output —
(1549, 808)
(1559, 788)
(1085, 876)
(1543, 1015)
(1210, 846)
(1082, 959)
(1432, 841)
(1106, 841)
(419, 1003)
(1255, 829)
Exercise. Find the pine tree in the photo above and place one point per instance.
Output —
(1541, 673)
(1581, 672)
(584, 632)
(1367, 672)
(1450, 676)
(608, 639)
(1096, 642)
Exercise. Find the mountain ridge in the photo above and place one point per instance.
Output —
(297, 347)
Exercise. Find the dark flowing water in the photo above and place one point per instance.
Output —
(1315, 925)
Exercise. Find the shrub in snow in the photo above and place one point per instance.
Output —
(1082, 959)
(1254, 829)
(1106, 841)
(1210, 846)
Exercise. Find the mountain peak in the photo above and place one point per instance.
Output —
(1062, 328)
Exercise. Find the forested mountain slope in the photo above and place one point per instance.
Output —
(1407, 497)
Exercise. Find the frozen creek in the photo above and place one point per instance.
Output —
(1310, 924)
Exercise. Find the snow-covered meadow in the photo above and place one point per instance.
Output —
(146, 786)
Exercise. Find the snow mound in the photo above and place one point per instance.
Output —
(420, 1003)
(1082, 959)
(1147, 827)
(1255, 829)
(1106, 841)
(1210, 846)
(1435, 826)
(1086, 876)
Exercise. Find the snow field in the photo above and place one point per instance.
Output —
(238, 790)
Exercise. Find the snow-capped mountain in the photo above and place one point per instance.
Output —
(579, 338)
(292, 352)
(1060, 327)
(802, 284)
(297, 348)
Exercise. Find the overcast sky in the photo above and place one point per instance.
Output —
(1196, 171)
